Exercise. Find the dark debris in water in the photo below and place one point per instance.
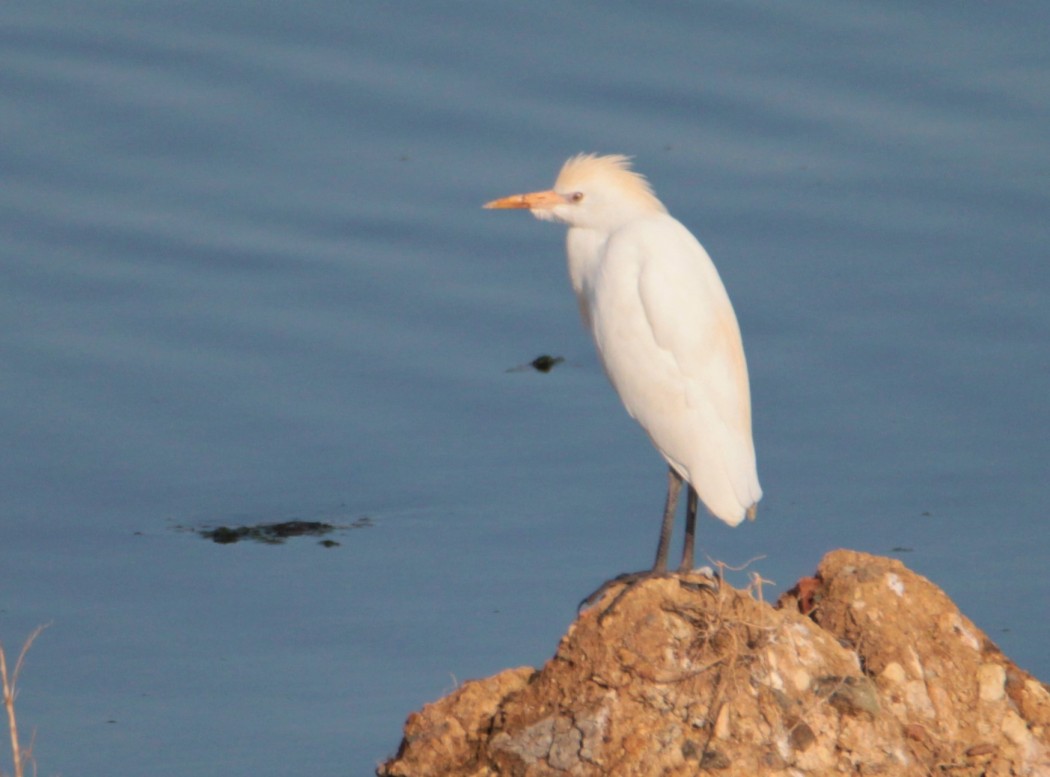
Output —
(270, 533)
(544, 363)
(276, 533)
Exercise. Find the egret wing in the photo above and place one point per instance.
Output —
(678, 362)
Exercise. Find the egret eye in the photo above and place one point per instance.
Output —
(576, 197)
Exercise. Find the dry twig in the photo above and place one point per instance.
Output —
(10, 689)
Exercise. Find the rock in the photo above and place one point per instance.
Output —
(883, 676)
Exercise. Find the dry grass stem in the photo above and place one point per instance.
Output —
(9, 682)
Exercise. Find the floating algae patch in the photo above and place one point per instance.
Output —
(277, 533)
(269, 533)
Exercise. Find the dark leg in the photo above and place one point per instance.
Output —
(686, 567)
(631, 579)
(674, 486)
(690, 532)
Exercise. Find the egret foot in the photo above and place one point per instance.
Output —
(711, 584)
(628, 580)
(631, 579)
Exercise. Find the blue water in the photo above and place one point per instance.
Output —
(245, 277)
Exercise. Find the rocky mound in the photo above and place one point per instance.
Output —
(882, 675)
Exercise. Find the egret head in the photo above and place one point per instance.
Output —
(591, 192)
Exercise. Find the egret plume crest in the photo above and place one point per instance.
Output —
(613, 170)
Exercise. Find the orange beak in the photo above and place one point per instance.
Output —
(532, 201)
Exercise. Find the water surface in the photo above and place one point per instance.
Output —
(246, 278)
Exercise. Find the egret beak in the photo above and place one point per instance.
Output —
(532, 201)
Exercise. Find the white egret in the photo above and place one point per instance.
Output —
(666, 334)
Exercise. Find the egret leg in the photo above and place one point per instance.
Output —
(674, 486)
(691, 504)
(631, 579)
